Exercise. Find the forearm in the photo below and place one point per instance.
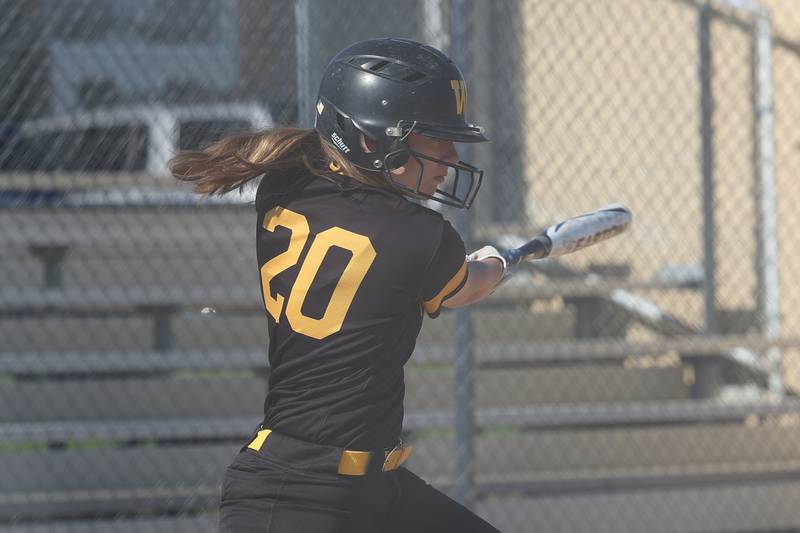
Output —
(482, 278)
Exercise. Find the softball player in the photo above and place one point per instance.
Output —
(349, 263)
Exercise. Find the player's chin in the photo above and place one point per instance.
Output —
(429, 186)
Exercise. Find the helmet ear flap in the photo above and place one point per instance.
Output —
(366, 148)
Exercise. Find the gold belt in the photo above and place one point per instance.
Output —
(352, 462)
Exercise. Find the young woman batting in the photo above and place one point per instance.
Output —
(350, 260)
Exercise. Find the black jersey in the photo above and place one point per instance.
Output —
(346, 273)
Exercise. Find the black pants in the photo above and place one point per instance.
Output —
(293, 487)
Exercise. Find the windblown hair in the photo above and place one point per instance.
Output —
(279, 154)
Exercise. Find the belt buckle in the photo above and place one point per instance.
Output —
(392, 460)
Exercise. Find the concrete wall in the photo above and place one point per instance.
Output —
(613, 114)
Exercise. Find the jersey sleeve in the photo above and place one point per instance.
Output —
(446, 272)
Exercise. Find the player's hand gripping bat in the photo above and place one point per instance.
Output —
(572, 234)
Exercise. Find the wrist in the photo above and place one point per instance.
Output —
(488, 252)
(497, 264)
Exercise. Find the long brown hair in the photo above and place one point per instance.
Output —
(278, 154)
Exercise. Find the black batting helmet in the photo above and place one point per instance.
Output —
(387, 89)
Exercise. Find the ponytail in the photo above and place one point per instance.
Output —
(278, 154)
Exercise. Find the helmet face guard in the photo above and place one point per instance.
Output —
(459, 188)
(386, 89)
(463, 180)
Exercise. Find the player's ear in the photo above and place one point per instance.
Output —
(367, 144)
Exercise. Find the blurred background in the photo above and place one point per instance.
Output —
(646, 384)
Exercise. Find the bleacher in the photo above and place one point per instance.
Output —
(133, 366)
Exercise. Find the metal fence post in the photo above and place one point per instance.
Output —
(707, 166)
(463, 490)
(764, 167)
(434, 24)
(302, 22)
(707, 372)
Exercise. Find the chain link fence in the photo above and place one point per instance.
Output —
(646, 384)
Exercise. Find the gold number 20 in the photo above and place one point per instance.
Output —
(363, 255)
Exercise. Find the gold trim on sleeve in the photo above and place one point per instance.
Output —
(432, 306)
